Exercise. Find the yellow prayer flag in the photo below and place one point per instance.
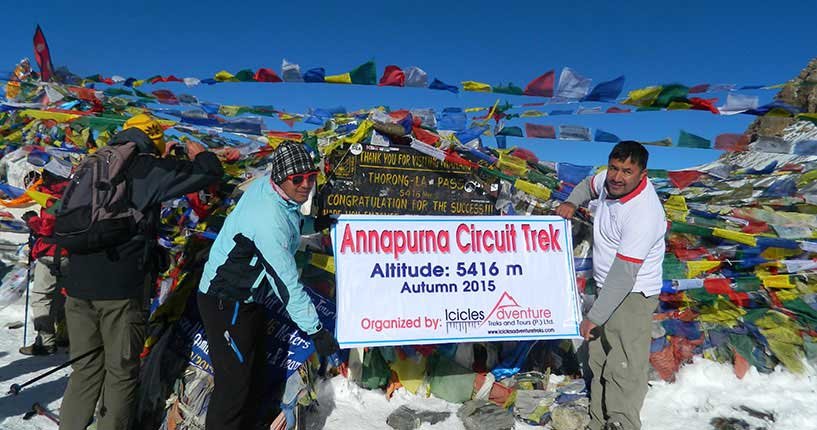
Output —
(722, 311)
(536, 190)
(735, 236)
(786, 295)
(807, 178)
(228, 110)
(488, 117)
(532, 114)
(695, 268)
(779, 253)
(778, 281)
(283, 116)
(512, 165)
(475, 109)
(225, 76)
(138, 83)
(323, 262)
(42, 114)
(476, 86)
(643, 96)
(39, 197)
(808, 117)
(410, 372)
(360, 133)
(676, 208)
(343, 78)
(678, 106)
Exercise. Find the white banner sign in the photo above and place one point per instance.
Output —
(411, 280)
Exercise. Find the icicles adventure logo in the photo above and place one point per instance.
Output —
(506, 312)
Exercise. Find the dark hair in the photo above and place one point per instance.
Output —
(632, 150)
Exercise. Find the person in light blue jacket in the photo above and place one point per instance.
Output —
(253, 257)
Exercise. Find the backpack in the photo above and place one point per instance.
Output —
(96, 212)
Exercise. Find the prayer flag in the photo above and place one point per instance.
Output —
(393, 77)
(541, 86)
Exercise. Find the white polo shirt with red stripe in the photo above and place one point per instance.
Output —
(630, 228)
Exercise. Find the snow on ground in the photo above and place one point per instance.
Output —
(703, 390)
(707, 389)
(16, 368)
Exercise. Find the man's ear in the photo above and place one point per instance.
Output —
(643, 174)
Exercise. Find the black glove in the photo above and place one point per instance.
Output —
(27, 216)
(325, 343)
(323, 222)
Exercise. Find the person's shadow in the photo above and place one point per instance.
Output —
(45, 393)
(29, 364)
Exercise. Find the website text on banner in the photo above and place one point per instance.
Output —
(411, 280)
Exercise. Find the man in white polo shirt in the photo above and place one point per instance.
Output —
(628, 250)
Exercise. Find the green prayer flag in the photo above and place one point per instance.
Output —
(540, 178)
(510, 89)
(680, 227)
(511, 131)
(747, 284)
(663, 142)
(673, 268)
(670, 93)
(117, 92)
(689, 140)
(245, 75)
(364, 74)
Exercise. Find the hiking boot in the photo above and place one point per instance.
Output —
(613, 426)
(38, 349)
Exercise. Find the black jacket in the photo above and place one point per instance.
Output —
(120, 273)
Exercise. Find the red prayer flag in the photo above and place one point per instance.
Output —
(453, 157)
(718, 286)
(541, 131)
(700, 88)
(393, 76)
(682, 178)
(425, 136)
(732, 142)
(286, 119)
(82, 93)
(618, 110)
(285, 135)
(267, 75)
(704, 104)
(741, 365)
(166, 97)
(541, 86)
(43, 55)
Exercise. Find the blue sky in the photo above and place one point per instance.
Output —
(650, 42)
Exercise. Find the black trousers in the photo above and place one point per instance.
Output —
(238, 388)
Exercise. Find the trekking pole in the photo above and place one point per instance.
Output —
(28, 284)
(15, 388)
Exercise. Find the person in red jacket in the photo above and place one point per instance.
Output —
(46, 301)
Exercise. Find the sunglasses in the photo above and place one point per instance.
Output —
(299, 178)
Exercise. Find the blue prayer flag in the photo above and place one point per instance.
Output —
(440, 85)
(314, 75)
(606, 91)
(603, 136)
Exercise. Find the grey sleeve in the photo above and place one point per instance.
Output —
(620, 281)
(582, 194)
